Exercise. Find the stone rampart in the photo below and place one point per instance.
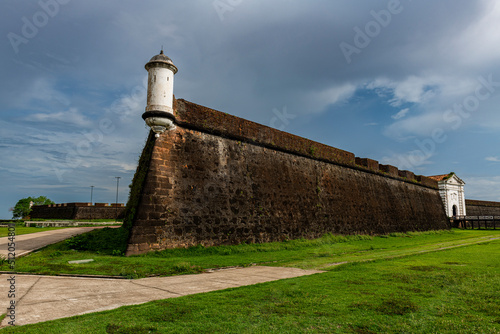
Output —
(77, 211)
(482, 208)
(219, 179)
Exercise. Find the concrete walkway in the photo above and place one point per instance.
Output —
(42, 298)
(26, 243)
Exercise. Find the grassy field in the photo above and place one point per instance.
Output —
(4, 230)
(308, 254)
(455, 290)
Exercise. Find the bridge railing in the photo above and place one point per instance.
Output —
(475, 222)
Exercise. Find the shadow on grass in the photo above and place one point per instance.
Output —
(108, 241)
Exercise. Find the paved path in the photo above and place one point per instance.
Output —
(26, 243)
(42, 298)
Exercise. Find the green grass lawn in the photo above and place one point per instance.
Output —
(321, 253)
(451, 291)
(4, 230)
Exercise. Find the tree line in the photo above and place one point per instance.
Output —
(22, 208)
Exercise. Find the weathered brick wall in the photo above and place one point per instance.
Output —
(482, 208)
(49, 212)
(77, 211)
(212, 186)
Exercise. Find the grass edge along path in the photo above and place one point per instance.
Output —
(409, 252)
(451, 291)
(21, 230)
(306, 254)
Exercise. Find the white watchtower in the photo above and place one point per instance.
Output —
(159, 114)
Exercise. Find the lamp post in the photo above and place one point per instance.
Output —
(91, 209)
(116, 202)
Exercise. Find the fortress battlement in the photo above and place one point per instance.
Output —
(197, 117)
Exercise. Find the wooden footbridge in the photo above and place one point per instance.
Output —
(475, 222)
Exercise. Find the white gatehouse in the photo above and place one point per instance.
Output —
(451, 189)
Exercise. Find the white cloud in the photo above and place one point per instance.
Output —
(426, 90)
(401, 113)
(412, 160)
(332, 95)
(492, 159)
(70, 116)
(130, 104)
(482, 188)
(44, 89)
(413, 89)
(420, 125)
(480, 42)
(444, 109)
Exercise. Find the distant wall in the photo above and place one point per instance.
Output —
(482, 208)
(218, 179)
(77, 211)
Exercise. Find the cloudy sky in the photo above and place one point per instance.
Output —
(415, 84)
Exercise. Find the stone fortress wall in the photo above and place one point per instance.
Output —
(218, 179)
(482, 208)
(77, 211)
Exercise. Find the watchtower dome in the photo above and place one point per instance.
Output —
(159, 114)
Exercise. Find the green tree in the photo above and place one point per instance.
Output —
(23, 208)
